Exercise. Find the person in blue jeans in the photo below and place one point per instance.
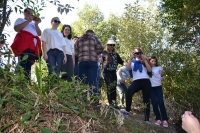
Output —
(157, 93)
(88, 48)
(53, 44)
(122, 75)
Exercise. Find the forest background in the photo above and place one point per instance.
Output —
(169, 30)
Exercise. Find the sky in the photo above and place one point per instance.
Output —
(105, 6)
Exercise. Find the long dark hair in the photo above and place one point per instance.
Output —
(154, 57)
(70, 35)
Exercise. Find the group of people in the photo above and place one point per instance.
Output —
(82, 57)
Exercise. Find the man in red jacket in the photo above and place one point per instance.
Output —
(26, 41)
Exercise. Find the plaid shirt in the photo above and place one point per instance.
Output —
(88, 48)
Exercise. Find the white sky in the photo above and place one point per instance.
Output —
(106, 6)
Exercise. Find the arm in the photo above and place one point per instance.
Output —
(65, 54)
(99, 46)
(38, 20)
(45, 50)
(119, 72)
(128, 67)
(21, 26)
(119, 59)
(148, 66)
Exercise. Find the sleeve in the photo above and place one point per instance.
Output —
(44, 36)
(99, 47)
(123, 69)
(18, 21)
(119, 60)
(160, 68)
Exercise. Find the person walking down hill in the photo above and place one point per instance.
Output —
(88, 48)
(122, 75)
(26, 41)
(53, 44)
(111, 59)
(141, 71)
(68, 67)
(157, 93)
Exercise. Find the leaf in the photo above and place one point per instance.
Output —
(25, 58)
(70, 105)
(1, 101)
(16, 9)
(45, 130)
(60, 5)
(26, 117)
(40, 119)
(66, 11)
(34, 125)
(58, 9)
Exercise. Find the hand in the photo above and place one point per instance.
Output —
(190, 123)
(143, 57)
(122, 81)
(45, 57)
(65, 59)
(132, 56)
(37, 20)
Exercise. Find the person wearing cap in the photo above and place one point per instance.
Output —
(111, 59)
(88, 48)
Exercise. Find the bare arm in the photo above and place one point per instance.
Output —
(128, 67)
(45, 50)
(37, 27)
(65, 54)
(21, 26)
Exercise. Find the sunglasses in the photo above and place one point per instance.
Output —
(56, 21)
(111, 44)
(138, 53)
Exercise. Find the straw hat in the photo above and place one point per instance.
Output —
(111, 42)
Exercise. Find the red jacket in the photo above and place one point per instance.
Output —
(24, 40)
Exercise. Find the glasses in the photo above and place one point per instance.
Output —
(138, 53)
(111, 45)
(56, 21)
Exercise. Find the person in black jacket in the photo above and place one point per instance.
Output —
(110, 61)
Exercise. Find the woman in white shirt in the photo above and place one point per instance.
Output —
(53, 45)
(157, 93)
(68, 68)
(141, 71)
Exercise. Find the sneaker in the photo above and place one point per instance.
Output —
(165, 124)
(158, 122)
(148, 122)
(123, 111)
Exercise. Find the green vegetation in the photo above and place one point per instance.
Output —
(49, 104)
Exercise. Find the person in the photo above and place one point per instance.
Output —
(75, 38)
(141, 71)
(190, 123)
(53, 44)
(122, 75)
(88, 48)
(68, 67)
(111, 59)
(157, 92)
(26, 41)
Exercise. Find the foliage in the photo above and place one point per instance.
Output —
(92, 18)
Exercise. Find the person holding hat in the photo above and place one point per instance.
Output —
(111, 59)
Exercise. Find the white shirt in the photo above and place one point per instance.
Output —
(53, 39)
(69, 46)
(29, 27)
(156, 76)
(138, 74)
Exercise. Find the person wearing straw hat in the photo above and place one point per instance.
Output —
(111, 59)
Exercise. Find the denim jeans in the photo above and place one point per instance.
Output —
(26, 63)
(157, 101)
(88, 70)
(55, 60)
(122, 91)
